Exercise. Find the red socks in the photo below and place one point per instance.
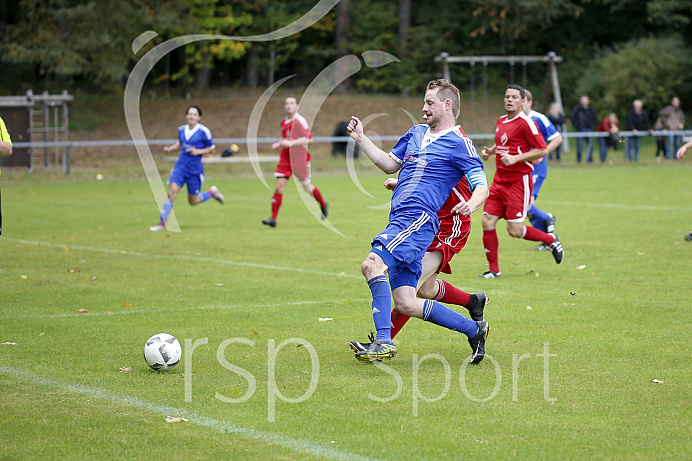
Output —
(449, 294)
(318, 196)
(491, 244)
(531, 233)
(276, 204)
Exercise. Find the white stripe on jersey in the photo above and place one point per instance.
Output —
(402, 236)
(532, 124)
(299, 118)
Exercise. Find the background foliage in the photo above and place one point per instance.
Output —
(615, 49)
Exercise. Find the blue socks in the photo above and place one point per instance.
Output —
(204, 196)
(381, 307)
(439, 314)
(165, 211)
(538, 217)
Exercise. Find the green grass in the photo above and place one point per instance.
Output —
(613, 326)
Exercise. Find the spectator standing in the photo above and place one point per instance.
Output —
(610, 124)
(637, 120)
(584, 120)
(558, 119)
(660, 140)
(672, 119)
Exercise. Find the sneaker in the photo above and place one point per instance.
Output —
(489, 275)
(688, 237)
(325, 209)
(550, 224)
(542, 247)
(477, 305)
(158, 227)
(377, 350)
(556, 248)
(477, 343)
(218, 196)
(269, 222)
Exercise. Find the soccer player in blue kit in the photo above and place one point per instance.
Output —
(431, 158)
(540, 219)
(194, 141)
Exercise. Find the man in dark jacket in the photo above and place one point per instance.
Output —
(584, 120)
(637, 120)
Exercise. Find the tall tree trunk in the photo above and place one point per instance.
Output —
(343, 19)
(251, 71)
(202, 74)
(404, 25)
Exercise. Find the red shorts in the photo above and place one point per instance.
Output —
(450, 239)
(300, 166)
(510, 200)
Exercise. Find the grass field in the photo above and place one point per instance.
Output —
(574, 351)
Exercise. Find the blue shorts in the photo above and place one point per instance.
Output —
(403, 244)
(537, 183)
(194, 181)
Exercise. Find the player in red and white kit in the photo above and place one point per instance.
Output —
(517, 142)
(450, 239)
(293, 159)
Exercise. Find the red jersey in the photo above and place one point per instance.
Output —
(295, 128)
(516, 136)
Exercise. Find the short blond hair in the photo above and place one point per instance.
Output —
(446, 90)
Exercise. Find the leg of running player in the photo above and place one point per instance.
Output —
(317, 195)
(431, 264)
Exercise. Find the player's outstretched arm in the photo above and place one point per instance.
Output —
(683, 149)
(380, 158)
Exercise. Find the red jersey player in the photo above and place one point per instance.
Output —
(517, 142)
(293, 159)
(450, 239)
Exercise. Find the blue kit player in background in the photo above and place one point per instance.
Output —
(431, 159)
(539, 218)
(194, 141)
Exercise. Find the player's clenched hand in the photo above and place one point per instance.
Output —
(390, 183)
(486, 152)
(463, 209)
(508, 159)
(355, 128)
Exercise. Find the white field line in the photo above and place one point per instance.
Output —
(300, 446)
(186, 258)
(616, 205)
(174, 309)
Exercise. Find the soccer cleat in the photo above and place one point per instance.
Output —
(217, 195)
(158, 227)
(489, 275)
(377, 350)
(477, 305)
(542, 247)
(556, 248)
(688, 237)
(477, 343)
(550, 224)
(357, 346)
(269, 222)
(325, 210)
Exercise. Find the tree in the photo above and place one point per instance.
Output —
(649, 69)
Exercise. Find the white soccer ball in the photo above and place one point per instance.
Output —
(162, 352)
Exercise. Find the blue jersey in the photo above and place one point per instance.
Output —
(199, 137)
(431, 165)
(547, 129)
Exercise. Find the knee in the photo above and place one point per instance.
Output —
(193, 199)
(515, 231)
(371, 267)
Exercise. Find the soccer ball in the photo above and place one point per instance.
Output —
(162, 352)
